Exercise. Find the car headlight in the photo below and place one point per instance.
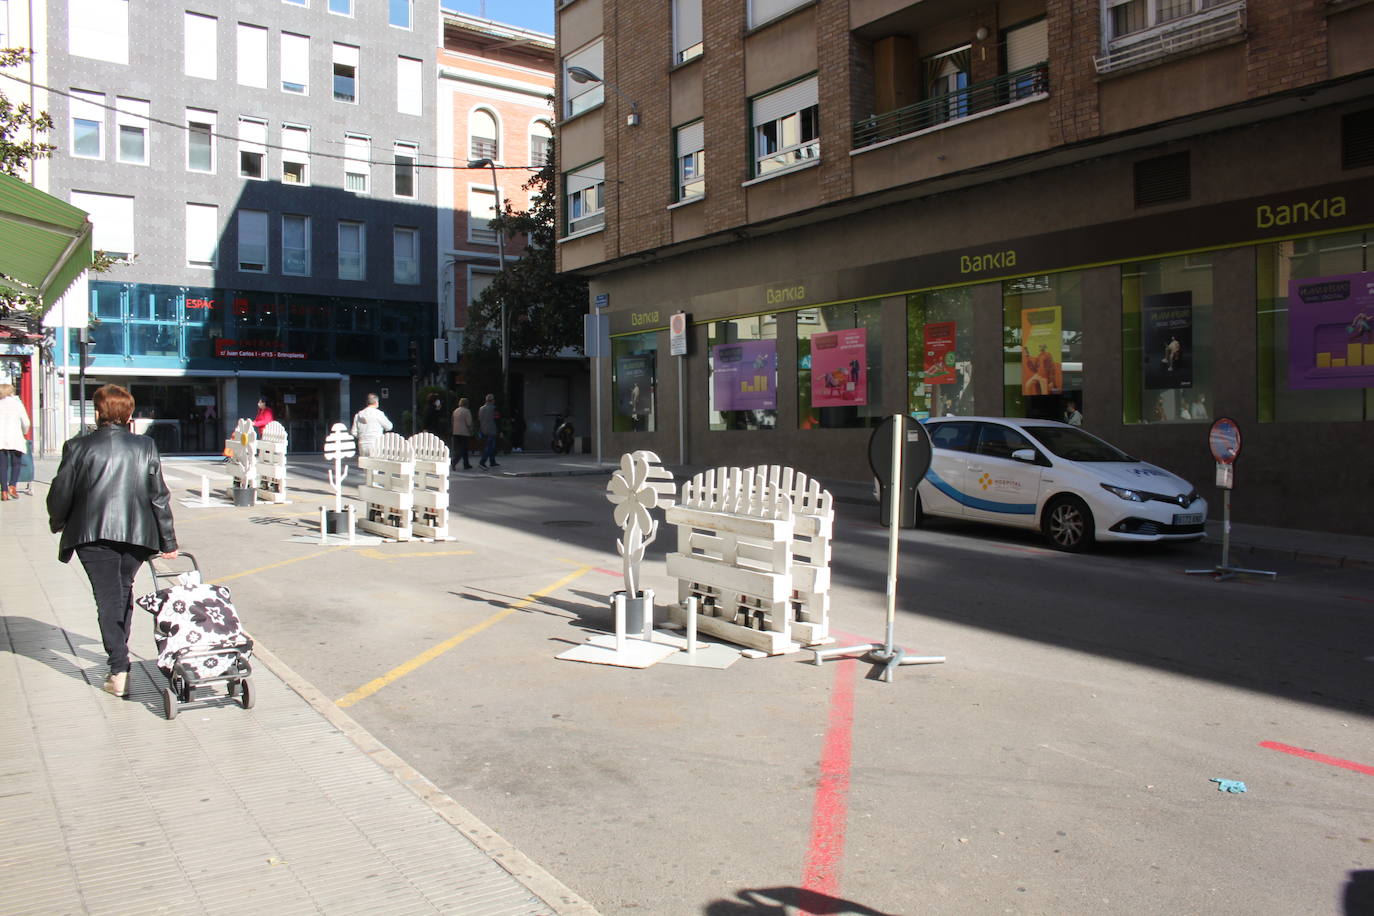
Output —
(1125, 493)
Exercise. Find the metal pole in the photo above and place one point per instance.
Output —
(682, 410)
(1226, 527)
(894, 520)
(81, 372)
(505, 324)
(596, 381)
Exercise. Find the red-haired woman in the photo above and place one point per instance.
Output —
(114, 511)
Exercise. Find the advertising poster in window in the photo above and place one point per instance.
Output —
(939, 363)
(634, 389)
(1041, 347)
(1331, 332)
(1167, 340)
(839, 368)
(745, 375)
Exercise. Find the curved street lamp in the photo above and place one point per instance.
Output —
(501, 262)
(583, 75)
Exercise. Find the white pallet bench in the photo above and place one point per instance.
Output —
(388, 489)
(813, 513)
(270, 452)
(431, 495)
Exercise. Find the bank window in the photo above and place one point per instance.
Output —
(253, 241)
(1315, 326)
(586, 206)
(1042, 347)
(352, 250)
(295, 154)
(295, 245)
(88, 124)
(131, 121)
(786, 127)
(201, 50)
(252, 147)
(691, 160)
(939, 357)
(200, 140)
(634, 380)
(742, 373)
(582, 96)
(1166, 340)
(839, 366)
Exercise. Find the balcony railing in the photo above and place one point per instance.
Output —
(1209, 27)
(988, 95)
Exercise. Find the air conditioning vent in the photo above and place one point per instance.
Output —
(1163, 180)
(1357, 140)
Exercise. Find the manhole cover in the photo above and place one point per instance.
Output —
(568, 523)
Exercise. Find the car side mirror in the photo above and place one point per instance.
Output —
(1024, 454)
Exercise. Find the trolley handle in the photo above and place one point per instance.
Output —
(152, 567)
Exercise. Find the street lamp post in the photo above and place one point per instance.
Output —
(501, 261)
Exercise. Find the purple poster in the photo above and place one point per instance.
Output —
(745, 375)
(1331, 332)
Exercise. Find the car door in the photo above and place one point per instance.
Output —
(943, 490)
(1001, 488)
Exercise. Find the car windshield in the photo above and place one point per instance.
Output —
(1072, 444)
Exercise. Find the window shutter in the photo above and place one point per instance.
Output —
(585, 178)
(691, 138)
(295, 59)
(346, 55)
(88, 105)
(252, 136)
(202, 228)
(201, 50)
(686, 24)
(252, 240)
(786, 101)
(1357, 140)
(252, 56)
(112, 220)
(1163, 180)
(1027, 46)
(408, 93)
(295, 138)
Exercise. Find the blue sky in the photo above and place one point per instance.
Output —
(528, 14)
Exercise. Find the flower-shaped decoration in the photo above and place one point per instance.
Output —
(640, 485)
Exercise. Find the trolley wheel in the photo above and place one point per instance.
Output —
(169, 703)
(249, 694)
(233, 688)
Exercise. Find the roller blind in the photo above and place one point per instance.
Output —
(691, 138)
(252, 55)
(686, 25)
(295, 62)
(408, 91)
(586, 177)
(112, 220)
(202, 229)
(201, 48)
(786, 101)
(1027, 46)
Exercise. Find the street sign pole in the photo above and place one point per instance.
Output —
(1224, 441)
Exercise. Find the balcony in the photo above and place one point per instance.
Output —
(977, 99)
(1209, 27)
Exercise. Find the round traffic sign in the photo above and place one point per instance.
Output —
(915, 452)
(1224, 440)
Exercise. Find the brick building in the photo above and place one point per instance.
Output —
(947, 180)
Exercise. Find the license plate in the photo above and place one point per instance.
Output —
(1191, 518)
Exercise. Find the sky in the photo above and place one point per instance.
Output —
(528, 14)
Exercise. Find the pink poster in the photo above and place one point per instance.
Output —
(839, 369)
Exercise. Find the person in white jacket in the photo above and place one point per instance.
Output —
(368, 426)
(14, 426)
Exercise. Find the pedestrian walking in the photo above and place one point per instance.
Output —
(368, 426)
(14, 426)
(462, 433)
(114, 511)
(487, 416)
(263, 418)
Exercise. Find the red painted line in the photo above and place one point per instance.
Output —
(1353, 598)
(609, 572)
(830, 809)
(1320, 758)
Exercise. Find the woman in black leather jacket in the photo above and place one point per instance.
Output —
(114, 511)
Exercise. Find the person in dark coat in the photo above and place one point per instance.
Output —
(114, 511)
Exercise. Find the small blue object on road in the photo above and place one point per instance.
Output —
(1228, 785)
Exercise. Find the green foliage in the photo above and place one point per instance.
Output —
(545, 309)
(17, 120)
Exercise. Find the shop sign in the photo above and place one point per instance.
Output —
(839, 368)
(253, 349)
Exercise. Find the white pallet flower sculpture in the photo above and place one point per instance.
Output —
(813, 513)
(389, 488)
(271, 463)
(641, 485)
(242, 449)
(430, 518)
(338, 446)
(734, 559)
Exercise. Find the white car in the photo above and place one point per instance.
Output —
(1073, 486)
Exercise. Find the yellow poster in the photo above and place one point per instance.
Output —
(1041, 348)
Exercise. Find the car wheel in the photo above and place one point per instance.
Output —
(1068, 523)
(918, 518)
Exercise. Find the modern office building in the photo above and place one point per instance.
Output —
(1161, 210)
(264, 173)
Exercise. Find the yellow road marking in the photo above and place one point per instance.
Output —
(373, 553)
(253, 572)
(434, 652)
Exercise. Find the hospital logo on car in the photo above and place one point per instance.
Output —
(987, 481)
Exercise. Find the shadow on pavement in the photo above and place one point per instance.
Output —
(1359, 893)
(782, 901)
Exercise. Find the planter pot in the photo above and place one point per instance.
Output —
(335, 522)
(244, 496)
(637, 610)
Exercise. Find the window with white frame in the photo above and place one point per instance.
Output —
(131, 124)
(686, 30)
(400, 13)
(98, 29)
(786, 126)
(295, 154)
(352, 250)
(482, 136)
(87, 124)
(1128, 17)
(112, 221)
(201, 47)
(478, 282)
(761, 11)
(295, 245)
(297, 2)
(405, 259)
(251, 54)
(1027, 46)
(409, 95)
(691, 160)
(341, 7)
(200, 140)
(946, 76)
(403, 181)
(357, 170)
(541, 143)
(481, 211)
(295, 63)
(253, 241)
(202, 234)
(252, 147)
(579, 97)
(585, 201)
(345, 73)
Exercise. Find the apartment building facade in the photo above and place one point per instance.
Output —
(1161, 210)
(264, 173)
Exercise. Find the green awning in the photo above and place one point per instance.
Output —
(45, 243)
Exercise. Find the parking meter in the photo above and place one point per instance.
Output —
(915, 463)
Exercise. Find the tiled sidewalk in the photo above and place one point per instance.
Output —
(107, 807)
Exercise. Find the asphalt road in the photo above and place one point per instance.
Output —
(1058, 762)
